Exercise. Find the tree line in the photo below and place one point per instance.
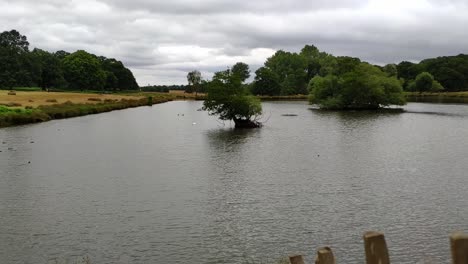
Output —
(332, 82)
(287, 73)
(20, 67)
(290, 73)
(450, 71)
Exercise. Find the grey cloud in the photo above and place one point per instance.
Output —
(162, 40)
(179, 7)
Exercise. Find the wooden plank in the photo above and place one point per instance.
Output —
(325, 256)
(296, 259)
(376, 248)
(459, 247)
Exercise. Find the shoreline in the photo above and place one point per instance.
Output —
(443, 97)
(14, 112)
(18, 116)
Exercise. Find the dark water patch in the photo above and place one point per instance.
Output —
(438, 113)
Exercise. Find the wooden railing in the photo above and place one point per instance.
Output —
(377, 252)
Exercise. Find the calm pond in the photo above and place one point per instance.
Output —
(170, 184)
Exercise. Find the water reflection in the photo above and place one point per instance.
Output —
(228, 192)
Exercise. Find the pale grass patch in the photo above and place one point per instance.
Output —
(37, 98)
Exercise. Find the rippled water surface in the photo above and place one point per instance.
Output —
(169, 184)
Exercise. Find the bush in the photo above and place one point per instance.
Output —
(95, 99)
(425, 82)
(51, 100)
(360, 87)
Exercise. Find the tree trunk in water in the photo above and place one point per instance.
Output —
(246, 123)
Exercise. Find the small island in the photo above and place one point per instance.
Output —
(230, 99)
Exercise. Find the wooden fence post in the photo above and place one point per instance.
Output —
(376, 248)
(459, 247)
(325, 256)
(296, 259)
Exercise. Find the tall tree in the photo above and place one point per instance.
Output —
(83, 71)
(425, 82)
(194, 80)
(51, 70)
(14, 40)
(391, 70)
(241, 70)
(17, 67)
(265, 82)
(117, 75)
(290, 69)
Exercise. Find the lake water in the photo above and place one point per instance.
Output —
(169, 184)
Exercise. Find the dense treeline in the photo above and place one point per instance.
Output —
(20, 67)
(287, 73)
(343, 82)
(163, 88)
(451, 72)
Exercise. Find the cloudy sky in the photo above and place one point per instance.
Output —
(161, 40)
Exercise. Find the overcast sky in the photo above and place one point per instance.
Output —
(161, 40)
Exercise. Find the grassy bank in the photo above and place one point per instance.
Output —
(446, 94)
(38, 98)
(10, 116)
(447, 97)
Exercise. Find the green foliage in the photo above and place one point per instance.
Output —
(287, 73)
(266, 82)
(11, 58)
(317, 63)
(436, 87)
(159, 88)
(51, 73)
(241, 70)
(290, 71)
(84, 71)
(356, 85)
(391, 70)
(111, 81)
(117, 76)
(59, 70)
(61, 54)
(425, 83)
(14, 40)
(194, 80)
(229, 99)
(451, 72)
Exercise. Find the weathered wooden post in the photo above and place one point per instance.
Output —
(296, 259)
(325, 256)
(459, 246)
(376, 248)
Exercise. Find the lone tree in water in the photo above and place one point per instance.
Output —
(230, 99)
